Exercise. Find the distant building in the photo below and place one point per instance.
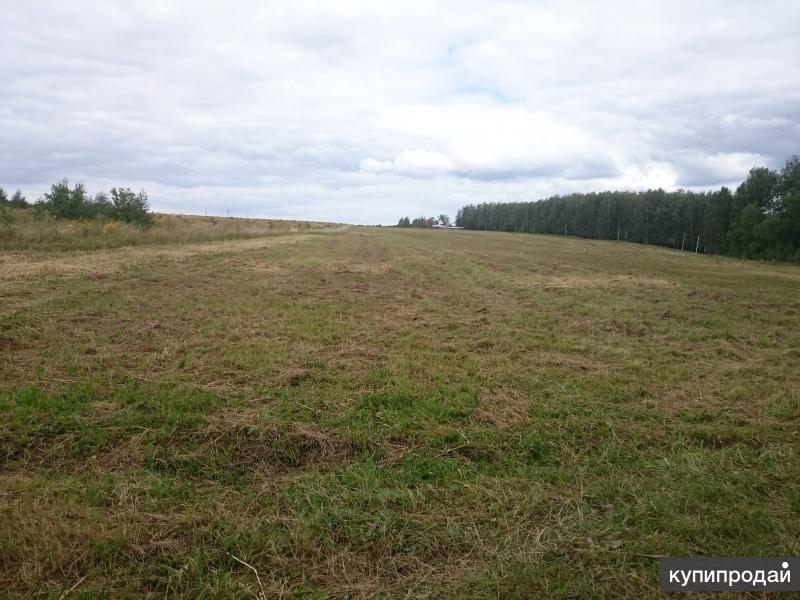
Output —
(437, 226)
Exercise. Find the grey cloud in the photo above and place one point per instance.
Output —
(274, 108)
(585, 168)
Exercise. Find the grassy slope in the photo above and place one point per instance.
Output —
(395, 413)
(27, 231)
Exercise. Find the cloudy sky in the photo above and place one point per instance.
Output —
(367, 111)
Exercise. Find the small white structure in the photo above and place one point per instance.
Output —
(438, 226)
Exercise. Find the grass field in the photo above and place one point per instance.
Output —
(371, 412)
(23, 229)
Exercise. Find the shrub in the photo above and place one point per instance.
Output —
(63, 202)
(5, 215)
(130, 207)
(102, 206)
(18, 201)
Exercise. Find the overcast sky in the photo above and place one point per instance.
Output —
(368, 111)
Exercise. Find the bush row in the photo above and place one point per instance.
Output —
(73, 202)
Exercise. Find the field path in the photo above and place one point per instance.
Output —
(24, 264)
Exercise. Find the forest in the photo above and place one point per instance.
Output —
(760, 220)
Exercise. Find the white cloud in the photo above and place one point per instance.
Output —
(414, 163)
(370, 165)
(364, 112)
(422, 163)
(651, 175)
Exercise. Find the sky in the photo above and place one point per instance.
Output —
(364, 112)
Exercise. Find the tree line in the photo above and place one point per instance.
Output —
(424, 222)
(74, 202)
(760, 220)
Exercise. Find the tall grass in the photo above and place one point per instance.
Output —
(25, 230)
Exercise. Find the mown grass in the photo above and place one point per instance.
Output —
(385, 413)
(24, 229)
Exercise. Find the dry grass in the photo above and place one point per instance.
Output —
(99, 263)
(387, 413)
(27, 231)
